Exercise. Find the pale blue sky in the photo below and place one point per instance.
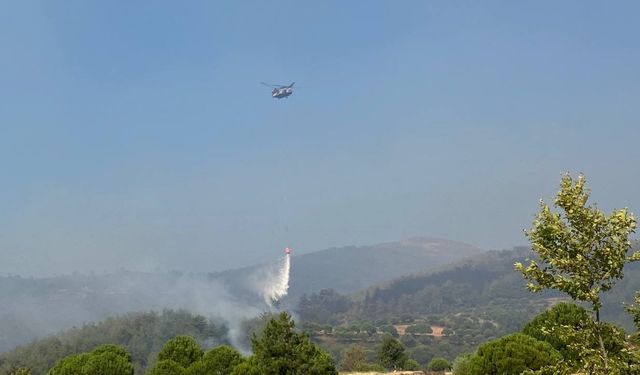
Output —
(135, 134)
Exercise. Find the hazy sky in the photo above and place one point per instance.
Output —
(136, 134)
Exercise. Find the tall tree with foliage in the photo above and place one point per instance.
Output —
(581, 251)
(391, 353)
(282, 350)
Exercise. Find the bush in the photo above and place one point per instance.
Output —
(439, 364)
(410, 365)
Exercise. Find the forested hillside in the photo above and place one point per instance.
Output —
(47, 305)
(445, 312)
(480, 283)
(142, 334)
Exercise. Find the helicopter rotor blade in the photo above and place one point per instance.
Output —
(270, 85)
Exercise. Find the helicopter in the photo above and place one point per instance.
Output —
(280, 91)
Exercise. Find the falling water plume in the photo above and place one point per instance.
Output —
(277, 285)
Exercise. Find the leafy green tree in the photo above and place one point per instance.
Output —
(581, 251)
(281, 350)
(183, 350)
(353, 358)
(71, 365)
(108, 360)
(511, 355)
(166, 367)
(218, 361)
(391, 353)
(556, 325)
(439, 364)
(104, 360)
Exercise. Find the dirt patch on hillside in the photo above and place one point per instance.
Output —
(401, 328)
(437, 331)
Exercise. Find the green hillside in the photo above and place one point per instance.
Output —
(464, 305)
(482, 283)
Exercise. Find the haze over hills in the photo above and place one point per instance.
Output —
(42, 306)
(473, 300)
(486, 285)
(352, 268)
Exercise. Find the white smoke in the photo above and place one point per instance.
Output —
(66, 301)
(276, 284)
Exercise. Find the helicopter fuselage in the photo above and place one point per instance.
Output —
(282, 92)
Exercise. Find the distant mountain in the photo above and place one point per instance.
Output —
(352, 268)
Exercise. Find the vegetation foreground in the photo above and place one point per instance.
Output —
(580, 252)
